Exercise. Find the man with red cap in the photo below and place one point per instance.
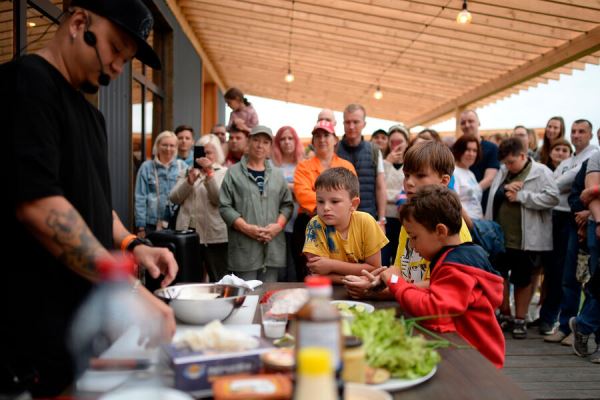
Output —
(60, 214)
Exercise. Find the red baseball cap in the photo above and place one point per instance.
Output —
(324, 125)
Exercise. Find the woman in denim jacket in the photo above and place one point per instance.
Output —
(256, 204)
(154, 182)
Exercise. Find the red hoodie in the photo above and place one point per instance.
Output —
(463, 284)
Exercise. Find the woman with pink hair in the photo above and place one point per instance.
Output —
(287, 153)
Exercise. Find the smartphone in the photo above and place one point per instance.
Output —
(198, 153)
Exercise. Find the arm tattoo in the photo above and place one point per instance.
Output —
(78, 244)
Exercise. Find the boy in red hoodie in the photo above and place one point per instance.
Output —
(464, 286)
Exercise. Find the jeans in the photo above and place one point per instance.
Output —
(571, 288)
(553, 271)
(588, 320)
(392, 231)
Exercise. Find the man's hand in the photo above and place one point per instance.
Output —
(581, 217)
(157, 260)
(269, 232)
(319, 265)
(589, 194)
(161, 327)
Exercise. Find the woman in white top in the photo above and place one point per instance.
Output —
(394, 182)
(466, 152)
(198, 194)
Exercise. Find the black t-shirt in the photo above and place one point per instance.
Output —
(57, 147)
(259, 178)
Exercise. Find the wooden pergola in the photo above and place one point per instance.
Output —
(427, 65)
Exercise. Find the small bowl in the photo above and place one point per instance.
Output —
(201, 303)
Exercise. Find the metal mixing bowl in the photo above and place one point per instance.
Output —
(191, 306)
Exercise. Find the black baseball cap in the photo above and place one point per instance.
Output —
(133, 17)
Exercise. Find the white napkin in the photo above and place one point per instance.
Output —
(234, 280)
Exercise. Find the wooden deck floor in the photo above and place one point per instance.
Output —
(550, 371)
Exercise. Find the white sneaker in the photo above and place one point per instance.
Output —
(557, 337)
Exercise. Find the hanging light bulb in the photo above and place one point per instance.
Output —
(289, 78)
(378, 95)
(464, 17)
(31, 24)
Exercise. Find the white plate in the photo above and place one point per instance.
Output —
(368, 308)
(357, 391)
(146, 393)
(399, 384)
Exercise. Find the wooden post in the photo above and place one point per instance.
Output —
(210, 112)
(457, 111)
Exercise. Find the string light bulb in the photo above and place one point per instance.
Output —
(31, 24)
(464, 16)
(378, 95)
(289, 78)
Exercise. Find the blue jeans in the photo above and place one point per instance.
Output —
(392, 231)
(571, 288)
(553, 270)
(588, 320)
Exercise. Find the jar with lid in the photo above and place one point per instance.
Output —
(355, 364)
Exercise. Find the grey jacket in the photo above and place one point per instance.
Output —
(537, 197)
(240, 197)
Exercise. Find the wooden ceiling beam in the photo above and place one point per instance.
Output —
(324, 65)
(191, 35)
(481, 68)
(570, 51)
(455, 78)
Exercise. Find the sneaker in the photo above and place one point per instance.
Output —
(546, 328)
(519, 330)
(556, 337)
(568, 341)
(595, 358)
(505, 322)
(580, 344)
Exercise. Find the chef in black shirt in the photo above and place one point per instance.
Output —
(59, 217)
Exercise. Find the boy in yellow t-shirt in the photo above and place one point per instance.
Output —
(425, 163)
(340, 240)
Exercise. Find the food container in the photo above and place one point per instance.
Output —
(256, 387)
(194, 371)
(201, 303)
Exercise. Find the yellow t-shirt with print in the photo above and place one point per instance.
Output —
(365, 238)
(413, 267)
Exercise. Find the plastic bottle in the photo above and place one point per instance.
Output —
(318, 321)
(314, 377)
(113, 309)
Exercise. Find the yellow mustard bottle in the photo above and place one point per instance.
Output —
(314, 375)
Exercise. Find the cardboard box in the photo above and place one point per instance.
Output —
(195, 371)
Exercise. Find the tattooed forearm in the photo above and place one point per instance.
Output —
(79, 247)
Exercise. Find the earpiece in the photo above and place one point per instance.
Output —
(89, 38)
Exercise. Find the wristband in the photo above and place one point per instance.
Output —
(136, 242)
(281, 224)
(127, 241)
(210, 173)
(595, 190)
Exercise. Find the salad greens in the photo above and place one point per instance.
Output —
(389, 343)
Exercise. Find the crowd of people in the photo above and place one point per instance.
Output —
(264, 201)
(394, 217)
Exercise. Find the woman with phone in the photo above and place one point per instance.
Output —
(198, 195)
(154, 182)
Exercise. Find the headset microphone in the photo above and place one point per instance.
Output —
(90, 39)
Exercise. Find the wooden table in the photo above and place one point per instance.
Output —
(463, 373)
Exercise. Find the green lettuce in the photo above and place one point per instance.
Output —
(389, 343)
